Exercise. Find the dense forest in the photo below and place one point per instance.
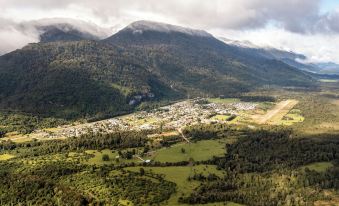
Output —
(257, 164)
(26, 123)
(62, 183)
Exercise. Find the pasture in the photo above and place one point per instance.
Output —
(4, 157)
(223, 100)
(220, 117)
(318, 166)
(113, 155)
(179, 175)
(198, 151)
(294, 116)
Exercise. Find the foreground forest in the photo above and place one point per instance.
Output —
(263, 167)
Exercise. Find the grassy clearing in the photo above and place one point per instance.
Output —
(265, 105)
(125, 203)
(335, 102)
(202, 150)
(4, 157)
(97, 159)
(164, 134)
(220, 117)
(113, 157)
(179, 176)
(138, 122)
(329, 80)
(319, 166)
(294, 116)
(52, 129)
(223, 101)
(124, 90)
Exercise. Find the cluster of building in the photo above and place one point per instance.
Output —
(173, 116)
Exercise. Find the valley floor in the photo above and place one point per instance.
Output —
(178, 115)
(234, 153)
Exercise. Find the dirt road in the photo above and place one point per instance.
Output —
(183, 136)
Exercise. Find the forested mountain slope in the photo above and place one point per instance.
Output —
(193, 53)
(144, 61)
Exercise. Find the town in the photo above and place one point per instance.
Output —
(171, 117)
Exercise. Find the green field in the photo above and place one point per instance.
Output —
(4, 157)
(294, 116)
(198, 151)
(179, 176)
(223, 101)
(329, 80)
(202, 150)
(113, 157)
(319, 166)
(220, 117)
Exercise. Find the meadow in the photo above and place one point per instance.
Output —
(180, 175)
(319, 166)
(4, 157)
(198, 151)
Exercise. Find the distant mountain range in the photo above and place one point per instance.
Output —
(72, 74)
(291, 58)
(74, 30)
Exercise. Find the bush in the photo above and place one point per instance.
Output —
(2, 134)
(105, 157)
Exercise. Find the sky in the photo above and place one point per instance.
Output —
(310, 27)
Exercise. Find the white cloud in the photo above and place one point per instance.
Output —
(293, 14)
(298, 24)
(317, 47)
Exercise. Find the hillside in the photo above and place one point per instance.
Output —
(144, 61)
(72, 79)
(193, 51)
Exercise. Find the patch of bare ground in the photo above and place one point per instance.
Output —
(333, 200)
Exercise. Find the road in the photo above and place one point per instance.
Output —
(183, 136)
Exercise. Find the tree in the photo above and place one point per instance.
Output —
(2, 134)
(161, 126)
(105, 157)
(142, 171)
(183, 150)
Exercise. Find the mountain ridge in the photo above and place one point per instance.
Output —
(73, 79)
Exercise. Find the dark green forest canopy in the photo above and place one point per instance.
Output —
(253, 166)
(260, 161)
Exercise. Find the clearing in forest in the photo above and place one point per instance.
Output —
(4, 157)
(275, 115)
(318, 166)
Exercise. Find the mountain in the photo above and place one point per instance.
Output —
(144, 61)
(63, 29)
(188, 56)
(63, 32)
(267, 52)
(293, 59)
(325, 68)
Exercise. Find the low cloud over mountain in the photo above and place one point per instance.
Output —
(289, 21)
